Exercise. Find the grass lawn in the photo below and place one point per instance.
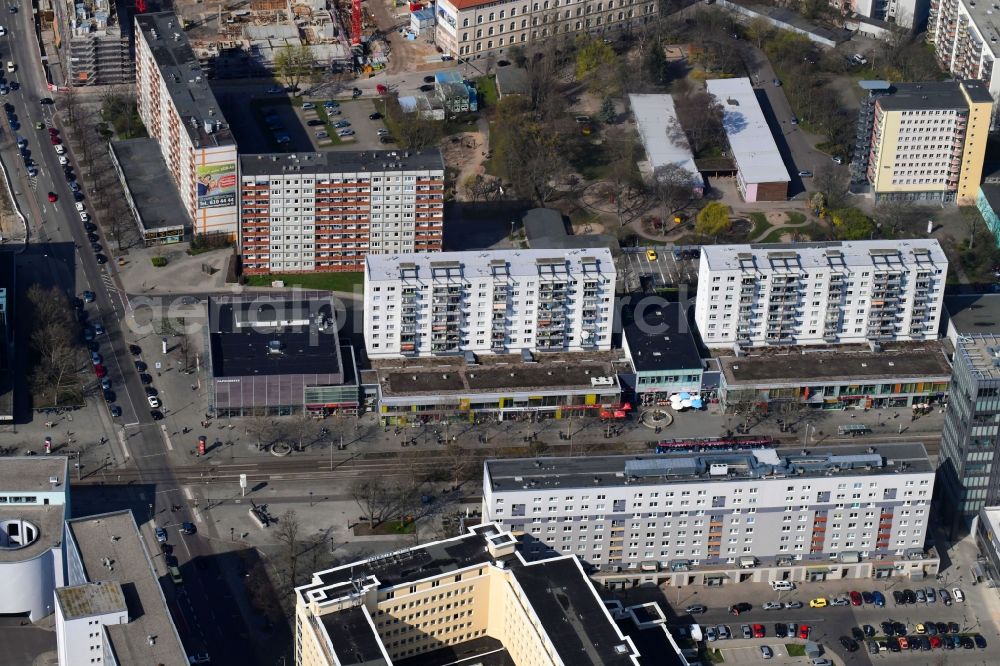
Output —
(324, 281)
(487, 87)
(760, 225)
(795, 650)
(796, 218)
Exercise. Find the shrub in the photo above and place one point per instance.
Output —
(159, 262)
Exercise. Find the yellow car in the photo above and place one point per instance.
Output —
(818, 603)
(921, 629)
(651, 255)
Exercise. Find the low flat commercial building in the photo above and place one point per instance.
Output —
(34, 502)
(970, 315)
(760, 171)
(308, 212)
(158, 210)
(473, 595)
(660, 343)
(664, 143)
(724, 517)
(894, 375)
(494, 388)
(112, 609)
(276, 355)
(851, 292)
(491, 301)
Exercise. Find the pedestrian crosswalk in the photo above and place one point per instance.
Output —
(109, 282)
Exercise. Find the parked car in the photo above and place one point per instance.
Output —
(766, 652)
(308, 105)
(316, 122)
(188, 528)
(153, 401)
(879, 599)
(804, 631)
(818, 602)
(742, 607)
(958, 595)
(116, 411)
(161, 535)
(711, 635)
(747, 632)
(773, 605)
(856, 598)
(759, 631)
(793, 604)
(696, 609)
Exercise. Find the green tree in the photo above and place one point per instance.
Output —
(607, 111)
(591, 55)
(713, 219)
(758, 30)
(851, 224)
(656, 64)
(295, 65)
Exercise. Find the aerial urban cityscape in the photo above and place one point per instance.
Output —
(499, 332)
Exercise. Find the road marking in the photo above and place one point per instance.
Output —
(188, 493)
(277, 477)
(130, 425)
(166, 438)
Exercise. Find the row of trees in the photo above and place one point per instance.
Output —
(55, 347)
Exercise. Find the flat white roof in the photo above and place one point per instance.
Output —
(832, 255)
(488, 264)
(750, 138)
(656, 119)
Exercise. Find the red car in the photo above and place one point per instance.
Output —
(855, 598)
(935, 642)
(804, 631)
(758, 631)
(53, 197)
(100, 370)
(53, 131)
(55, 140)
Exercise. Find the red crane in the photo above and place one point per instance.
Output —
(355, 22)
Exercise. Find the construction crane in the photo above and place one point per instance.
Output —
(355, 23)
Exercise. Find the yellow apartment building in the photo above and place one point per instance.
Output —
(928, 141)
(474, 594)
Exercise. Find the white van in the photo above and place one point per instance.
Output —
(782, 585)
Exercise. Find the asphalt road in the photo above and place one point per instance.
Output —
(205, 621)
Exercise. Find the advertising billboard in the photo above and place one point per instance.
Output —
(216, 185)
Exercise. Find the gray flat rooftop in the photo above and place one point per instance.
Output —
(489, 264)
(33, 474)
(341, 161)
(932, 95)
(355, 641)
(91, 599)
(560, 594)
(242, 332)
(832, 255)
(115, 537)
(529, 474)
(661, 338)
(858, 364)
(559, 371)
(981, 353)
(975, 314)
(145, 173)
(184, 79)
(47, 518)
(482, 651)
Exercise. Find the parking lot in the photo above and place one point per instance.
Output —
(355, 112)
(828, 624)
(663, 265)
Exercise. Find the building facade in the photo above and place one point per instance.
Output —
(447, 594)
(928, 141)
(327, 211)
(95, 42)
(732, 516)
(477, 28)
(661, 347)
(760, 170)
(964, 39)
(488, 302)
(971, 432)
(180, 111)
(904, 13)
(34, 502)
(820, 293)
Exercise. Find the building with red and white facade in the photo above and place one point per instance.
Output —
(180, 111)
(327, 211)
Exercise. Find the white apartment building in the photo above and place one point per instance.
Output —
(904, 13)
(180, 111)
(782, 513)
(966, 39)
(489, 301)
(820, 293)
(326, 211)
(475, 28)
(112, 610)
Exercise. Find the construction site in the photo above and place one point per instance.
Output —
(242, 38)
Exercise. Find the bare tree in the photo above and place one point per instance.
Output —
(54, 341)
(672, 187)
(373, 498)
(461, 463)
(971, 220)
(302, 428)
(833, 183)
(260, 427)
(288, 534)
(699, 120)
